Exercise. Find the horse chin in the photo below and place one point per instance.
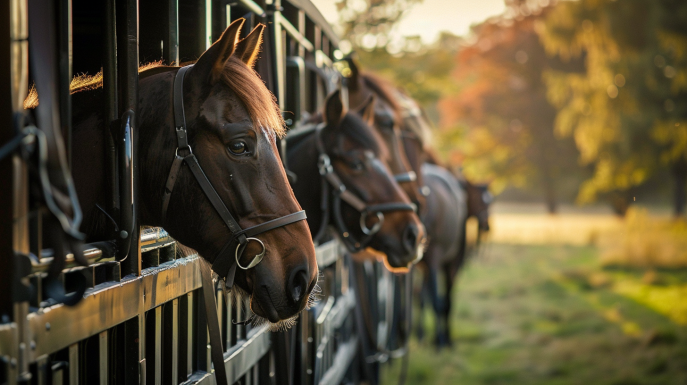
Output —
(256, 320)
(372, 254)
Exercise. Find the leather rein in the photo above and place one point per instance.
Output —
(224, 263)
(333, 187)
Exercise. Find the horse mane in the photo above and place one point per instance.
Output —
(80, 83)
(358, 131)
(410, 110)
(240, 78)
(384, 90)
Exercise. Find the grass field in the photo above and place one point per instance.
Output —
(553, 314)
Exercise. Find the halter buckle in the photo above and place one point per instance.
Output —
(406, 177)
(324, 164)
(256, 260)
(188, 146)
(376, 227)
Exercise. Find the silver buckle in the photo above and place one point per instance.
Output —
(324, 164)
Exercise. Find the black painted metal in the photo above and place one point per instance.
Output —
(148, 317)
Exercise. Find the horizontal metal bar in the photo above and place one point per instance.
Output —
(321, 59)
(43, 264)
(253, 7)
(110, 304)
(327, 253)
(342, 360)
(156, 245)
(240, 359)
(324, 313)
(293, 31)
(154, 234)
(341, 310)
(246, 355)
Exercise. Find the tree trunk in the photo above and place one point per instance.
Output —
(680, 178)
(550, 191)
(620, 201)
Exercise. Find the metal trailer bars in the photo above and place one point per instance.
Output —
(142, 319)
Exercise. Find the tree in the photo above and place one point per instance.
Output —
(369, 23)
(627, 112)
(500, 123)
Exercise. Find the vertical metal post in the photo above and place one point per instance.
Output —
(158, 346)
(127, 65)
(189, 335)
(278, 50)
(208, 23)
(103, 357)
(65, 73)
(175, 345)
(111, 104)
(173, 33)
(74, 364)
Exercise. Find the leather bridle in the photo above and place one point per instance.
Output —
(224, 263)
(334, 188)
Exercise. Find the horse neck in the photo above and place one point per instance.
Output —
(90, 163)
(157, 143)
(302, 160)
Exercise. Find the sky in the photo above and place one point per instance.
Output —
(430, 17)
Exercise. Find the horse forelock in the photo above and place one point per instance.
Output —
(259, 101)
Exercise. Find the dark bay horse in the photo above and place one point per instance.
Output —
(232, 124)
(388, 123)
(343, 157)
(451, 199)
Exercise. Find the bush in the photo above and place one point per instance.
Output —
(644, 241)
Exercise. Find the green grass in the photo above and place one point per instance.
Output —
(553, 315)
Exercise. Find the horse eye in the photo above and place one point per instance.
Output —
(238, 147)
(358, 166)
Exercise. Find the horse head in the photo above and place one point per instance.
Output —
(388, 121)
(359, 159)
(232, 124)
(479, 199)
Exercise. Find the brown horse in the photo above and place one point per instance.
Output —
(388, 122)
(417, 137)
(343, 181)
(232, 125)
(451, 200)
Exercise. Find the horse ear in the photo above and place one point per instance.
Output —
(367, 110)
(354, 78)
(210, 65)
(248, 48)
(334, 110)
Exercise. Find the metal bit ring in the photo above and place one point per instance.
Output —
(257, 259)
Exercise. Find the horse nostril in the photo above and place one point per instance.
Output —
(410, 238)
(298, 285)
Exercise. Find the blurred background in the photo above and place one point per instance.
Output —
(575, 113)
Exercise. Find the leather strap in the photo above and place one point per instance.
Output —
(339, 193)
(169, 186)
(216, 347)
(179, 115)
(224, 264)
